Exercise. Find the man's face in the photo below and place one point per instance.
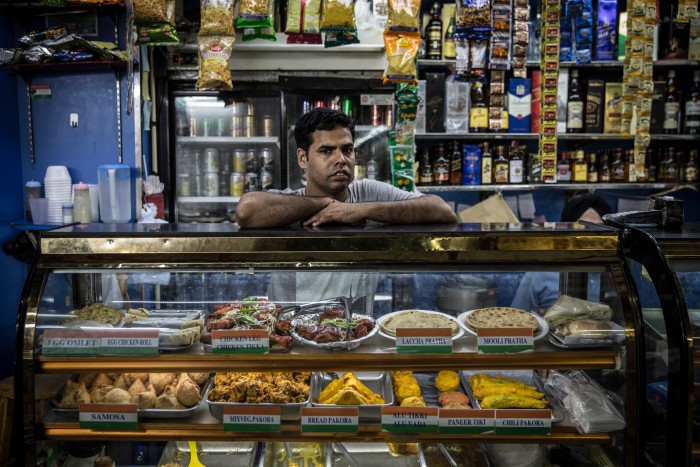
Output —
(330, 163)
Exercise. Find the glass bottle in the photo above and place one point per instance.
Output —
(605, 169)
(563, 168)
(455, 164)
(486, 165)
(360, 168)
(672, 105)
(672, 175)
(690, 169)
(441, 167)
(662, 157)
(618, 167)
(592, 176)
(630, 170)
(426, 169)
(692, 107)
(478, 113)
(515, 165)
(575, 105)
(449, 46)
(372, 168)
(580, 169)
(650, 166)
(501, 166)
(433, 34)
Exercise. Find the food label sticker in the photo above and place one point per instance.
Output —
(329, 420)
(423, 341)
(410, 419)
(129, 341)
(109, 416)
(466, 421)
(504, 340)
(244, 341)
(70, 342)
(252, 419)
(523, 422)
(40, 91)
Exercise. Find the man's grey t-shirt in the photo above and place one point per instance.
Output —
(304, 287)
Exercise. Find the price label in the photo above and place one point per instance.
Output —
(129, 341)
(466, 421)
(252, 419)
(410, 419)
(523, 422)
(108, 417)
(504, 340)
(70, 342)
(423, 341)
(244, 341)
(329, 420)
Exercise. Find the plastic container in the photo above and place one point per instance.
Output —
(114, 182)
(32, 191)
(67, 210)
(82, 209)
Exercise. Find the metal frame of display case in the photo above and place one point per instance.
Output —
(449, 247)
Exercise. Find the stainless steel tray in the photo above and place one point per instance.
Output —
(378, 382)
(526, 376)
(369, 454)
(288, 411)
(304, 454)
(211, 453)
(428, 390)
(311, 321)
(142, 413)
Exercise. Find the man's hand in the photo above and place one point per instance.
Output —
(343, 213)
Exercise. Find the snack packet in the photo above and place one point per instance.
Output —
(216, 18)
(214, 66)
(401, 51)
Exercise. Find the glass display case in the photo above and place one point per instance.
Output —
(133, 315)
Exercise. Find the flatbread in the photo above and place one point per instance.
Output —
(418, 319)
(502, 317)
(96, 312)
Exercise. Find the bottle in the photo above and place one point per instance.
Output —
(455, 164)
(690, 169)
(441, 167)
(515, 165)
(672, 105)
(672, 175)
(575, 105)
(630, 171)
(661, 156)
(478, 113)
(433, 34)
(650, 166)
(618, 167)
(486, 165)
(82, 210)
(32, 191)
(592, 176)
(501, 166)
(605, 175)
(580, 171)
(426, 169)
(360, 168)
(372, 168)
(692, 107)
(563, 168)
(449, 46)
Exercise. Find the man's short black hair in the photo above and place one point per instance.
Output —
(320, 118)
(580, 204)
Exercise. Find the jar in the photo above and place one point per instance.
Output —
(67, 210)
(82, 209)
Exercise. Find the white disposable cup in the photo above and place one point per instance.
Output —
(40, 210)
(57, 172)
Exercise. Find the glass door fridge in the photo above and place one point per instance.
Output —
(367, 100)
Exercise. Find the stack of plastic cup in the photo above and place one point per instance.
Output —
(57, 188)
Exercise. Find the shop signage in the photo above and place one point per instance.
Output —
(252, 419)
(70, 342)
(466, 421)
(109, 416)
(129, 341)
(244, 341)
(523, 422)
(423, 341)
(410, 419)
(504, 340)
(329, 420)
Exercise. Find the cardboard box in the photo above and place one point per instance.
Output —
(519, 105)
(613, 108)
(657, 107)
(536, 102)
(471, 164)
(605, 44)
(593, 118)
(435, 102)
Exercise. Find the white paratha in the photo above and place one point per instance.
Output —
(502, 317)
(418, 319)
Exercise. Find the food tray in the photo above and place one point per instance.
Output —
(381, 319)
(544, 326)
(304, 454)
(311, 320)
(169, 319)
(617, 333)
(368, 454)
(142, 413)
(290, 411)
(213, 453)
(526, 376)
(164, 345)
(428, 391)
(378, 382)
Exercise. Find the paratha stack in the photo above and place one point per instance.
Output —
(418, 319)
(502, 317)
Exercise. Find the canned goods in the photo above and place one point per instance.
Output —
(196, 163)
(239, 160)
(206, 127)
(224, 185)
(184, 187)
(252, 181)
(237, 122)
(267, 125)
(220, 126)
(210, 184)
(266, 158)
(198, 185)
(242, 108)
(252, 163)
(225, 161)
(193, 126)
(249, 126)
(265, 179)
(237, 184)
(211, 160)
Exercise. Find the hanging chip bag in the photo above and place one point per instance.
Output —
(401, 51)
(338, 15)
(255, 13)
(216, 18)
(214, 66)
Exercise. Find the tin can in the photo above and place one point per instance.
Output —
(237, 184)
(198, 185)
(375, 115)
(319, 103)
(239, 160)
(225, 161)
(252, 182)
(220, 127)
(389, 117)
(210, 184)
(265, 179)
(184, 187)
(267, 158)
(268, 124)
(252, 163)
(346, 106)
(211, 160)
(206, 127)
(193, 127)
(224, 184)
(249, 126)
(196, 162)
(237, 122)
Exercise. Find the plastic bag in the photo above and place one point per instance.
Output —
(217, 18)
(214, 66)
